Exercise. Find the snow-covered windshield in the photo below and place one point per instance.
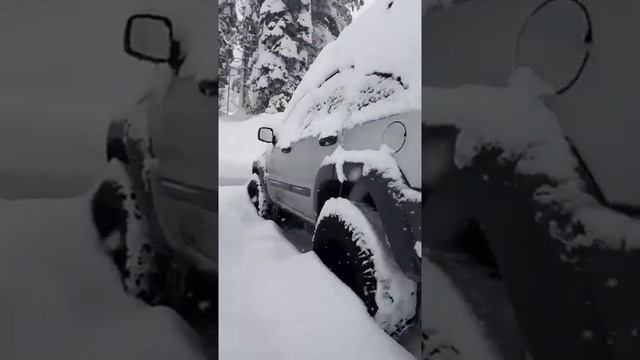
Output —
(372, 70)
(333, 102)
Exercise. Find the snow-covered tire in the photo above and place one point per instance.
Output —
(350, 240)
(258, 197)
(123, 231)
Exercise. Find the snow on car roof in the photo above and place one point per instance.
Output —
(372, 70)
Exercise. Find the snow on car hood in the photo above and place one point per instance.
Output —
(372, 70)
(195, 26)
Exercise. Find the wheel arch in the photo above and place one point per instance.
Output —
(401, 220)
(545, 279)
(116, 142)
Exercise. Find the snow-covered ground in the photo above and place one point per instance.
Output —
(280, 304)
(60, 297)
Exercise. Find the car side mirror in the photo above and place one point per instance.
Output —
(150, 38)
(328, 140)
(266, 134)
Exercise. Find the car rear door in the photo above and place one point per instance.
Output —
(184, 135)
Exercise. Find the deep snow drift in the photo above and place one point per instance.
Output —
(60, 297)
(281, 304)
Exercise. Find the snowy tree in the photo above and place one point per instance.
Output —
(227, 20)
(248, 36)
(330, 17)
(283, 53)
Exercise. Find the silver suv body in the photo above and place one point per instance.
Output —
(292, 173)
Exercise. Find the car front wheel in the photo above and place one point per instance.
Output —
(123, 230)
(350, 240)
(258, 197)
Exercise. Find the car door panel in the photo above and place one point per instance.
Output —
(184, 133)
(184, 137)
(291, 174)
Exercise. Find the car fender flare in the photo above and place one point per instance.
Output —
(400, 218)
(546, 278)
(116, 141)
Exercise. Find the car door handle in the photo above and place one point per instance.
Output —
(328, 140)
(286, 150)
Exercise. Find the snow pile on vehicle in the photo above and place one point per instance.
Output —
(380, 161)
(372, 70)
(280, 304)
(515, 120)
(62, 297)
(395, 307)
(601, 225)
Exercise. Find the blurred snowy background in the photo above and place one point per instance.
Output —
(63, 76)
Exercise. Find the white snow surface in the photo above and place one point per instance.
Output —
(62, 298)
(516, 120)
(280, 304)
(393, 308)
(448, 320)
(385, 38)
(373, 160)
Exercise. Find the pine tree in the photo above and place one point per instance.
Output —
(227, 33)
(283, 53)
(330, 17)
(249, 35)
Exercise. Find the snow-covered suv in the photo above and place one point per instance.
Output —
(346, 160)
(156, 211)
(532, 179)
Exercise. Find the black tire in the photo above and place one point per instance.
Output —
(122, 229)
(259, 198)
(350, 240)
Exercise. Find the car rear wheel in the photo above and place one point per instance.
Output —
(258, 197)
(350, 240)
